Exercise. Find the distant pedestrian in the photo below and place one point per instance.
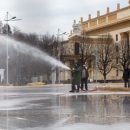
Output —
(84, 78)
(126, 75)
(76, 78)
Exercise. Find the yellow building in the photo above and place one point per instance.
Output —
(116, 23)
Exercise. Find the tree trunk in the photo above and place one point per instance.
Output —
(104, 78)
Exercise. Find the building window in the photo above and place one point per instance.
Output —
(116, 37)
(76, 48)
(117, 72)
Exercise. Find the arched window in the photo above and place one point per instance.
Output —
(76, 48)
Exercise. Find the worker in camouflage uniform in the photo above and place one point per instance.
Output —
(76, 77)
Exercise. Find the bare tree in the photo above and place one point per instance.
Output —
(85, 48)
(123, 55)
(106, 53)
(6, 29)
(48, 43)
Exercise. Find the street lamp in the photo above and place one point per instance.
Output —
(7, 48)
(59, 53)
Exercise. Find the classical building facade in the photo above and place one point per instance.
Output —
(115, 23)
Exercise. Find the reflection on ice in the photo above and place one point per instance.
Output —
(10, 105)
(46, 109)
(18, 104)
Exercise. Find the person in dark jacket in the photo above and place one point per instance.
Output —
(84, 78)
(126, 75)
(129, 77)
(76, 77)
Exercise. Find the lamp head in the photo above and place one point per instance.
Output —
(13, 18)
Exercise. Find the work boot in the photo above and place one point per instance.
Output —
(72, 91)
(77, 90)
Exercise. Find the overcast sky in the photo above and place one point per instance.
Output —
(46, 16)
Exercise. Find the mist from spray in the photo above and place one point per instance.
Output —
(32, 51)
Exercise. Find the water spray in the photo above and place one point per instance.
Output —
(34, 52)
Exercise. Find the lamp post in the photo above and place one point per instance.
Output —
(96, 61)
(7, 47)
(59, 53)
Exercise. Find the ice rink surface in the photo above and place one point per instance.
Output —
(53, 107)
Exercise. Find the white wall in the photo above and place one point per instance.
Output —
(123, 14)
(119, 31)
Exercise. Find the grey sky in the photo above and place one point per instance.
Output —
(42, 16)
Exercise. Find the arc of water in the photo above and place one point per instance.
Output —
(35, 52)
